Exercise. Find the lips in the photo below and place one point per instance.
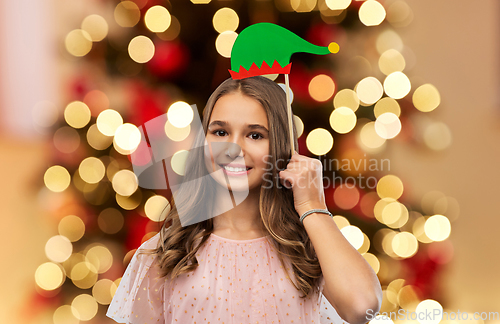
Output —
(239, 166)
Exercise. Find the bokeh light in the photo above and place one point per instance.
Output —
(354, 235)
(321, 88)
(371, 13)
(72, 227)
(91, 170)
(319, 141)
(397, 85)
(125, 182)
(391, 61)
(346, 98)
(96, 26)
(343, 120)
(108, 122)
(404, 244)
(368, 138)
(437, 228)
(157, 208)
(49, 276)
(78, 42)
(77, 114)
(180, 114)
(141, 49)
(338, 4)
(85, 307)
(390, 186)
(387, 105)
(127, 14)
(102, 291)
(430, 306)
(98, 140)
(178, 162)
(299, 125)
(426, 98)
(346, 196)
(67, 139)
(224, 43)
(64, 315)
(58, 248)
(437, 136)
(387, 125)
(57, 178)
(225, 19)
(110, 221)
(127, 137)
(157, 19)
(369, 90)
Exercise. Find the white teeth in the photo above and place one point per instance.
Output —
(234, 169)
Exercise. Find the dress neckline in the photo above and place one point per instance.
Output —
(240, 241)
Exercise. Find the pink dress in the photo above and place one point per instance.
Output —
(237, 281)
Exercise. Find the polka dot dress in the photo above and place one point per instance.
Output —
(236, 282)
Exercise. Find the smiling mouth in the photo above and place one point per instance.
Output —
(235, 169)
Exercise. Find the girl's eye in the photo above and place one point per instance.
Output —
(259, 134)
(217, 131)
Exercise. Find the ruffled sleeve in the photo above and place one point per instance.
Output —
(140, 295)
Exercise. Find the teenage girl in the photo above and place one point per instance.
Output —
(246, 257)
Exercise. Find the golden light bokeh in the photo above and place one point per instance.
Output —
(57, 178)
(404, 244)
(290, 91)
(224, 43)
(77, 114)
(200, 1)
(98, 140)
(102, 291)
(419, 229)
(426, 98)
(157, 19)
(346, 98)
(389, 39)
(303, 5)
(341, 221)
(372, 261)
(64, 315)
(110, 221)
(84, 274)
(408, 297)
(430, 306)
(397, 85)
(178, 162)
(395, 215)
(391, 61)
(365, 246)
(58, 248)
(176, 134)
(354, 235)
(338, 4)
(108, 122)
(379, 208)
(129, 202)
(319, 141)
(343, 120)
(299, 125)
(96, 26)
(399, 14)
(369, 140)
(125, 182)
(78, 42)
(157, 208)
(390, 186)
(100, 257)
(180, 114)
(85, 307)
(141, 49)
(321, 88)
(225, 19)
(72, 227)
(437, 228)
(387, 125)
(127, 138)
(437, 136)
(91, 170)
(369, 90)
(49, 276)
(387, 104)
(371, 13)
(127, 14)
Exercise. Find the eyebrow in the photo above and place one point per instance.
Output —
(225, 124)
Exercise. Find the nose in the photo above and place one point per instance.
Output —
(235, 148)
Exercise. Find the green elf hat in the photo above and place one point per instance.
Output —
(266, 48)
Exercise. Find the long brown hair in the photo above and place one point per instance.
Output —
(177, 245)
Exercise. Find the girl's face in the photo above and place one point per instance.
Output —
(238, 125)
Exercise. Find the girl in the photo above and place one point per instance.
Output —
(255, 261)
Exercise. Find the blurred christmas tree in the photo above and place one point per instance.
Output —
(133, 59)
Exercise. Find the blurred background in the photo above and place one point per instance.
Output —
(413, 85)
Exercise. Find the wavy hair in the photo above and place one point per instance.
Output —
(178, 246)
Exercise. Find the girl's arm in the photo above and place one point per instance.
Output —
(351, 285)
